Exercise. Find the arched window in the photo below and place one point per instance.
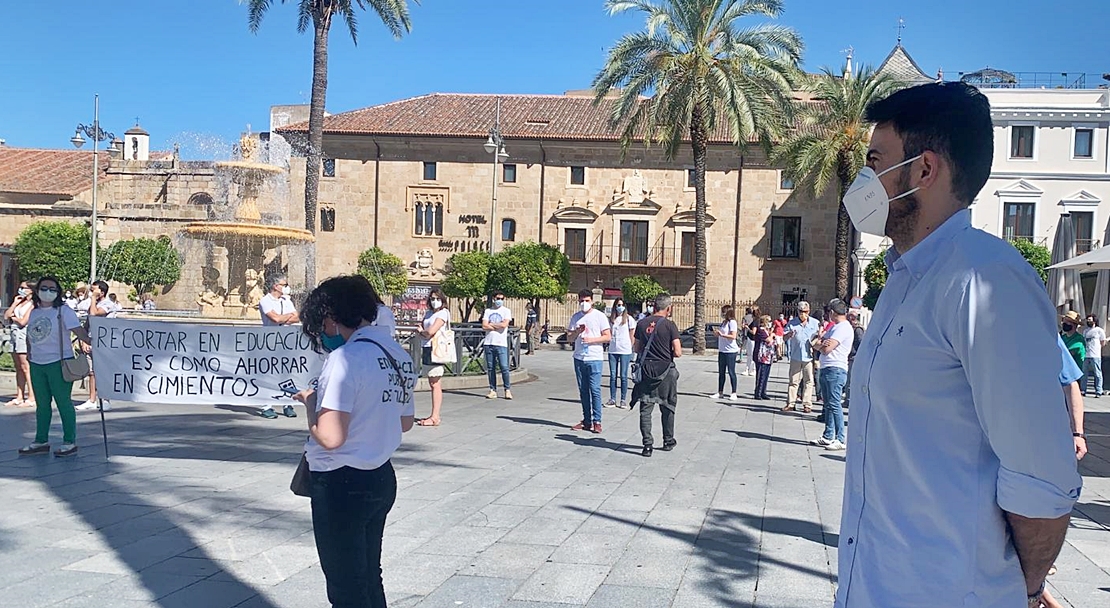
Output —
(508, 229)
(427, 218)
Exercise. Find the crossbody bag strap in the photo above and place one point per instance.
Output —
(61, 338)
(643, 353)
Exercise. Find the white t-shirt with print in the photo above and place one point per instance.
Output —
(1094, 337)
(725, 345)
(844, 334)
(358, 378)
(43, 343)
(430, 319)
(280, 306)
(498, 337)
(595, 323)
(621, 342)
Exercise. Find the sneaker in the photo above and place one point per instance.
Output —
(491, 395)
(581, 426)
(289, 411)
(715, 396)
(596, 428)
(34, 448)
(508, 395)
(624, 405)
(668, 445)
(268, 413)
(733, 397)
(821, 441)
(105, 405)
(86, 406)
(609, 403)
(67, 449)
(647, 451)
(835, 446)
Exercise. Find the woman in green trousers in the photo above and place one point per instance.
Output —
(48, 342)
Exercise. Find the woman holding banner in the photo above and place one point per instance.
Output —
(48, 330)
(436, 319)
(355, 419)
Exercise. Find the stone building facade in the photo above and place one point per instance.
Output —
(412, 176)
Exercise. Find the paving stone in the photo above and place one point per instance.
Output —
(565, 583)
(608, 596)
(471, 592)
(508, 560)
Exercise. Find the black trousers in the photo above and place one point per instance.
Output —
(762, 374)
(349, 507)
(726, 363)
(663, 391)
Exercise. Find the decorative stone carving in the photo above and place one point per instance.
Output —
(423, 267)
(633, 191)
(253, 282)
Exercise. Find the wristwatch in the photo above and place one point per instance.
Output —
(1080, 435)
(1035, 599)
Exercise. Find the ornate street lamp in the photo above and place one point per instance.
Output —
(97, 135)
(495, 145)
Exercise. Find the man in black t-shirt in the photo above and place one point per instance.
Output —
(657, 345)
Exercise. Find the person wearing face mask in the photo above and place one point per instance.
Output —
(727, 349)
(356, 418)
(276, 308)
(1095, 339)
(437, 318)
(48, 338)
(590, 331)
(620, 352)
(496, 320)
(966, 503)
(649, 309)
(17, 316)
(1073, 340)
(799, 336)
(99, 305)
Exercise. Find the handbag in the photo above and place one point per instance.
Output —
(638, 364)
(302, 477)
(76, 367)
(443, 346)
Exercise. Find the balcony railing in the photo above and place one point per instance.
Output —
(599, 255)
(1085, 245)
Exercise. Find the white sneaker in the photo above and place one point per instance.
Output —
(86, 406)
(105, 405)
(821, 441)
(491, 395)
(835, 446)
(733, 397)
(715, 396)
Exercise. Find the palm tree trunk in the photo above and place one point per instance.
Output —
(321, 24)
(699, 138)
(843, 231)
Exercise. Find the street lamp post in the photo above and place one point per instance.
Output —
(495, 145)
(97, 135)
(858, 255)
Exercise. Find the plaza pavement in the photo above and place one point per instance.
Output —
(501, 506)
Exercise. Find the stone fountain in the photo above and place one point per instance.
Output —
(246, 239)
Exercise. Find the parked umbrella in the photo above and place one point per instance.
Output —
(1101, 305)
(1064, 286)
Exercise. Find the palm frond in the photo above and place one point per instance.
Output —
(256, 9)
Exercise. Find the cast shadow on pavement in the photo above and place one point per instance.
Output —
(597, 441)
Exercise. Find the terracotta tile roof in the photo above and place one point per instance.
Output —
(36, 171)
(551, 117)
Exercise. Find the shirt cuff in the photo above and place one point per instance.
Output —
(1034, 498)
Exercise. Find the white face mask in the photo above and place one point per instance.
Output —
(285, 291)
(436, 303)
(867, 202)
(586, 306)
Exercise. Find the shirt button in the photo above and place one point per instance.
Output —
(864, 389)
(850, 541)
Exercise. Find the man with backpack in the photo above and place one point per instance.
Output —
(657, 344)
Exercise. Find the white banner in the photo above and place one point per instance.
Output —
(157, 362)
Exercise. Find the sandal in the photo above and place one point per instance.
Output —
(807, 410)
(14, 403)
(27, 404)
(426, 422)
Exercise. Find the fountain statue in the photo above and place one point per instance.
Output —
(246, 239)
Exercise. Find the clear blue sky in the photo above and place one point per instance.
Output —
(193, 73)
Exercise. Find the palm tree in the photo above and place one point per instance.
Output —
(700, 68)
(320, 13)
(831, 142)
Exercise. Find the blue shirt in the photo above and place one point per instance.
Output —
(1070, 372)
(957, 418)
(798, 344)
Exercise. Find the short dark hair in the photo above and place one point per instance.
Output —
(497, 293)
(1095, 317)
(101, 285)
(35, 292)
(348, 300)
(953, 119)
(586, 293)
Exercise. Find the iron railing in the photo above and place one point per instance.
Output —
(470, 353)
(998, 79)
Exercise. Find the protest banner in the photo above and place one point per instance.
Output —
(192, 363)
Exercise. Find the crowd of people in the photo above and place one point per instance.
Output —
(960, 472)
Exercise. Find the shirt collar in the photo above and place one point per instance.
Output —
(918, 259)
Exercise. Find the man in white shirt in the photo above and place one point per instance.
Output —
(276, 308)
(590, 330)
(1095, 338)
(836, 344)
(496, 320)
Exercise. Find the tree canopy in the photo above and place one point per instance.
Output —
(142, 263)
(54, 248)
(641, 288)
(385, 271)
(535, 271)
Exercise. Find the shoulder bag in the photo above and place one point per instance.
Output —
(443, 345)
(301, 484)
(638, 364)
(77, 366)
